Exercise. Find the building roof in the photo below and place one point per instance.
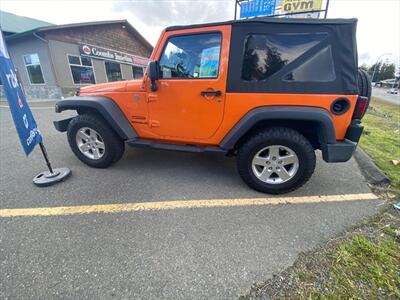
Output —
(16, 24)
(53, 27)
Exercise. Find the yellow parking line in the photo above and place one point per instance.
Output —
(164, 205)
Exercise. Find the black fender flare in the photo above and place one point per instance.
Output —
(104, 106)
(320, 116)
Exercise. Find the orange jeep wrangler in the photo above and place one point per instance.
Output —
(269, 91)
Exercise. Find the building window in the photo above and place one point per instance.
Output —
(113, 71)
(264, 55)
(81, 69)
(137, 72)
(32, 64)
(191, 56)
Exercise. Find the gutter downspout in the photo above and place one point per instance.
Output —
(40, 38)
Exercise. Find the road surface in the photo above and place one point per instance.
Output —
(384, 95)
(215, 243)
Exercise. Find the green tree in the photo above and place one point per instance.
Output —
(383, 71)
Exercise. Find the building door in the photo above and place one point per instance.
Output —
(190, 99)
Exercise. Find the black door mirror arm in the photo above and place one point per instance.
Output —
(153, 71)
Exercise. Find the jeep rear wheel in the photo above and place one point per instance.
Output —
(94, 142)
(275, 161)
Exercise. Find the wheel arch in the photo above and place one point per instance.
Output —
(314, 123)
(102, 106)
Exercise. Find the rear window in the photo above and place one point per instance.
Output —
(266, 54)
(318, 68)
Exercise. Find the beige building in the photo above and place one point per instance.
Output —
(55, 60)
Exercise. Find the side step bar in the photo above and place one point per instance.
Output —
(173, 147)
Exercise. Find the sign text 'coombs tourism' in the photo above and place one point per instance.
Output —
(102, 53)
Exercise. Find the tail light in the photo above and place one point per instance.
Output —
(361, 108)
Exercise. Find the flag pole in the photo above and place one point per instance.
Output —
(42, 147)
(46, 158)
(46, 178)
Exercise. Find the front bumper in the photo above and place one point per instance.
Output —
(342, 151)
(62, 125)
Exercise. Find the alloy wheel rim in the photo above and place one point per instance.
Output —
(90, 143)
(275, 164)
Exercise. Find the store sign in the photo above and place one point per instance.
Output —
(292, 6)
(106, 54)
(254, 8)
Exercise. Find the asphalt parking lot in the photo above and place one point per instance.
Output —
(176, 253)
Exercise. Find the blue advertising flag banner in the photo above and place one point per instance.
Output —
(25, 124)
(254, 8)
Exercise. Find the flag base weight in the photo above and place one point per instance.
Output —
(52, 176)
(47, 178)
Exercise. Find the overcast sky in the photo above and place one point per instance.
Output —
(378, 27)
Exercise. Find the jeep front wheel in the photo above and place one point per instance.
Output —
(275, 161)
(94, 142)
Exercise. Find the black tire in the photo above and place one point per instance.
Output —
(114, 146)
(364, 84)
(276, 136)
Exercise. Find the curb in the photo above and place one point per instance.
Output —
(371, 172)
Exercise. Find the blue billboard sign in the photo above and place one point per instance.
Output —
(25, 124)
(254, 8)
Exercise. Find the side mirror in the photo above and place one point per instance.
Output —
(153, 71)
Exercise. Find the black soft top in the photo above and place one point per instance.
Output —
(268, 20)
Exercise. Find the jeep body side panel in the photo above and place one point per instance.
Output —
(238, 105)
(319, 116)
(104, 107)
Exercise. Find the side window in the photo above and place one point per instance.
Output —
(318, 68)
(137, 72)
(81, 69)
(32, 64)
(191, 56)
(265, 55)
(113, 71)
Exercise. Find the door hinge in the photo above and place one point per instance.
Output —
(154, 123)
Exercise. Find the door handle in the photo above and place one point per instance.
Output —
(211, 93)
